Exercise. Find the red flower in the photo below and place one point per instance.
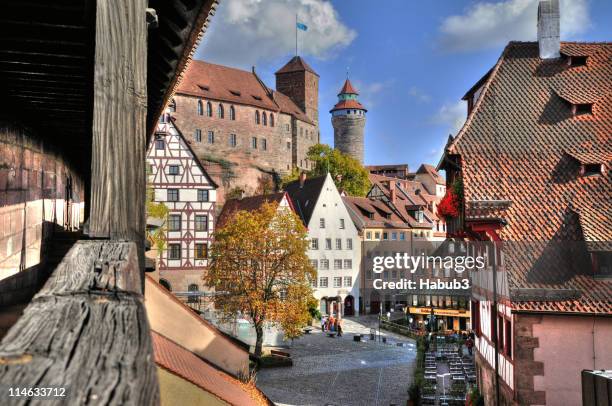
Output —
(449, 205)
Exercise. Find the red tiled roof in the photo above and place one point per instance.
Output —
(348, 88)
(517, 145)
(296, 64)
(357, 205)
(218, 82)
(248, 204)
(348, 104)
(287, 106)
(431, 170)
(181, 362)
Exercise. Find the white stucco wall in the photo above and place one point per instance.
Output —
(330, 207)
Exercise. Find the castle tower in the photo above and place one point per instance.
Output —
(301, 83)
(348, 119)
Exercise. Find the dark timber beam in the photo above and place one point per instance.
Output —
(86, 331)
(120, 103)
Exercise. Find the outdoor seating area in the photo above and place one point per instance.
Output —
(448, 376)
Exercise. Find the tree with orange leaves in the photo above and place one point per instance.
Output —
(259, 268)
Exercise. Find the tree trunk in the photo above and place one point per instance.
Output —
(259, 341)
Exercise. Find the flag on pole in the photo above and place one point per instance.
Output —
(301, 26)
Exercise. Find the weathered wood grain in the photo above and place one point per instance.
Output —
(87, 331)
(119, 128)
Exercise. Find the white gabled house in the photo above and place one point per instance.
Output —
(335, 247)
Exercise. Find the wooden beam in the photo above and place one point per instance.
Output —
(120, 102)
(86, 331)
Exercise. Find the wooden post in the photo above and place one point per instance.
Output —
(119, 122)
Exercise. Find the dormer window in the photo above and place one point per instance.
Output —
(592, 169)
(235, 92)
(204, 88)
(582, 109)
(574, 61)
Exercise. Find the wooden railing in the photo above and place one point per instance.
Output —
(86, 331)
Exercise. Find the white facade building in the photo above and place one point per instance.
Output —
(335, 248)
(180, 182)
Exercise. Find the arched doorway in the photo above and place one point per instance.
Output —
(349, 306)
(165, 284)
(374, 302)
(323, 305)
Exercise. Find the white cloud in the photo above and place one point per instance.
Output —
(419, 95)
(244, 32)
(487, 24)
(451, 115)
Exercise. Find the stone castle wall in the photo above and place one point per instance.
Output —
(242, 165)
(303, 88)
(348, 135)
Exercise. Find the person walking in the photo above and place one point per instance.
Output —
(469, 344)
(323, 323)
(339, 327)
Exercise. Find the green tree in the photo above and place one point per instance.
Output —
(348, 173)
(259, 268)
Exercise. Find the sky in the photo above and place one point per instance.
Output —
(411, 61)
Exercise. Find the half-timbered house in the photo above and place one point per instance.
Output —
(533, 161)
(178, 180)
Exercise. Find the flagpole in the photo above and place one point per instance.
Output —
(296, 34)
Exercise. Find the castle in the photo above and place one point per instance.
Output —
(348, 120)
(245, 133)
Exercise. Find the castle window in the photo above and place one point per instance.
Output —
(287, 127)
(220, 112)
(288, 146)
(257, 120)
(264, 144)
(254, 142)
(232, 140)
(232, 113)
(172, 105)
(301, 131)
(264, 118)
(211, 137)
(200, 108)
(271, 120)
(198, 135)
(208, 109)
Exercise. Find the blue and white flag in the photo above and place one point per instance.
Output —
(301, 26)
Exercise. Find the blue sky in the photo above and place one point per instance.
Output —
(412, 61)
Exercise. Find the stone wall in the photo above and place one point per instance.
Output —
(33, 188)
(242, 165)
(348, 135)
(303, 88)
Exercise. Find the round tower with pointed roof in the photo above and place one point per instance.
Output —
(348, 120)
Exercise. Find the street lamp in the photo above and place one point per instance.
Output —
(443, 376)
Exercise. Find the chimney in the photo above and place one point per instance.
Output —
(548, 29)
(392, 191)
(302, 179)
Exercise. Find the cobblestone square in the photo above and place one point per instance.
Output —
(340, 371)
